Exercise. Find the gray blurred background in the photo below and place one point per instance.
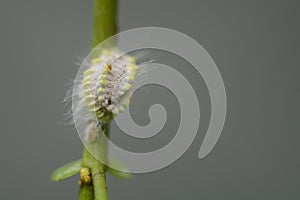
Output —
(256, 47)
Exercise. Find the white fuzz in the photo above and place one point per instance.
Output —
(105, 85)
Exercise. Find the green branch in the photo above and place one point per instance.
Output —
(105, 18)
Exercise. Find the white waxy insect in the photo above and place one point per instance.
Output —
(106, 84)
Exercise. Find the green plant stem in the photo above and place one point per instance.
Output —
(105, 17)
(97, 169)
(86, 192)
(99, 181)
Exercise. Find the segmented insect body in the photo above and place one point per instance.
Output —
(105, 85)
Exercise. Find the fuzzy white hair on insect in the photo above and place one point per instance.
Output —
(103, 87)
